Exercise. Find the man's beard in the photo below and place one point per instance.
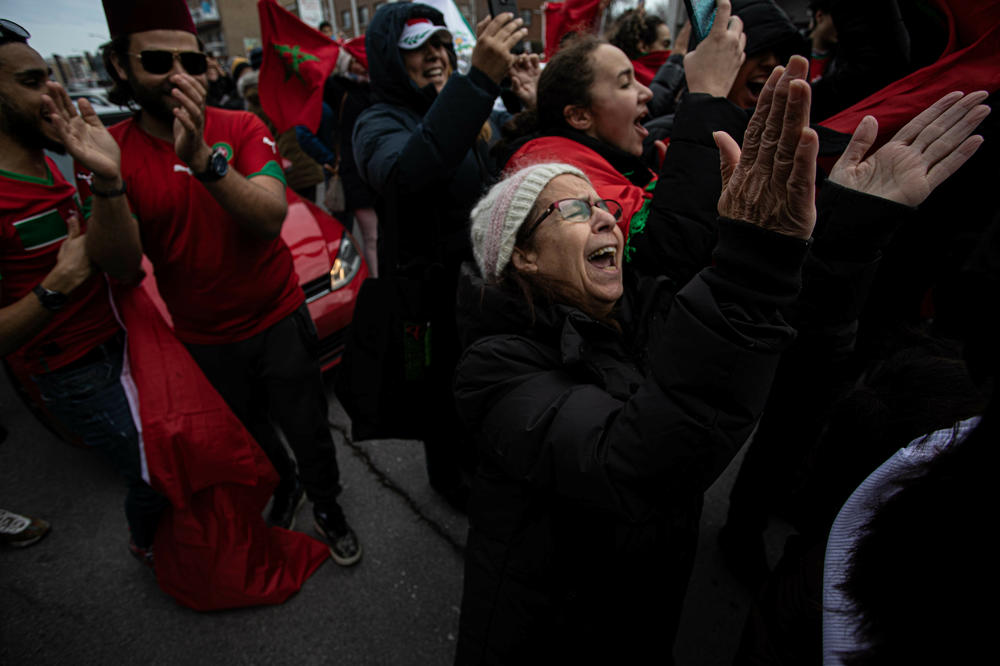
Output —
(151, 99)
(26, 130)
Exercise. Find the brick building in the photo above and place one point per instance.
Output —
(231, 27)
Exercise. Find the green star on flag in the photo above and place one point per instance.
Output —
(293, 56)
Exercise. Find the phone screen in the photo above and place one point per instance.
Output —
(500, 6)
(702, 15)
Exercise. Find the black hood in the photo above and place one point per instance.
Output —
(389, 81)
(768, 28)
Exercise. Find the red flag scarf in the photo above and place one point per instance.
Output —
(297, 61)
(646, 66)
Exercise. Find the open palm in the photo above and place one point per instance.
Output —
(83, 134)
(922, 155)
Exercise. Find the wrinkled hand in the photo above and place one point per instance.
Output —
(922, 155)
(73, 266)
(771, 182)
(713, 65)
(524, 78)
(189, 122)
(84, 135)
(495, 37)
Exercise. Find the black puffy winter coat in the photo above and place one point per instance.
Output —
(597, 443)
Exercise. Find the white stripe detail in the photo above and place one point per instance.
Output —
(131, 390)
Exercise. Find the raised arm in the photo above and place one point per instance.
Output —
(258, 203)
(113, 235)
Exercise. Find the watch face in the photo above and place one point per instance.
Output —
(219, 162)
(51, 300)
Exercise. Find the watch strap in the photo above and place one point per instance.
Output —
(49, 298)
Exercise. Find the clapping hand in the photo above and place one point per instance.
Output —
(771, 182)
(83, 134)
(189, 122)
(920, 157)
(524, 78)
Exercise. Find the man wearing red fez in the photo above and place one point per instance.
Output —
(56, 319)
(208, 199)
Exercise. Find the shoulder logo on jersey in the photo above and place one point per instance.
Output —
(226, 147)
(41, 230)
(180, 168)
(270, 142)
(86, 177)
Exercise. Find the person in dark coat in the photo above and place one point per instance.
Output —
(604, 404)
(423, 148)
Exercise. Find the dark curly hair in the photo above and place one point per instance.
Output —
(633, 28)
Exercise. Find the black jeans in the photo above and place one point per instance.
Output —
(273, 379)
(88, 398)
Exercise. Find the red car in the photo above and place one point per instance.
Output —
(331, 270)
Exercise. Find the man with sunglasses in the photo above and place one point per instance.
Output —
(56, 319)
(208, 199)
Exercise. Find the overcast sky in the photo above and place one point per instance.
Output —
(66, 27)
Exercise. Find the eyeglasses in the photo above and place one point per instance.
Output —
(161, 62)
(577, 210)
(12, 32)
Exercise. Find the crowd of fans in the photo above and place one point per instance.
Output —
(643, 257)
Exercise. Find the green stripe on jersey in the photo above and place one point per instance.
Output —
(271, 169)
(41, 230)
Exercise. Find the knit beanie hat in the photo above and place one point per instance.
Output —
(498, 216)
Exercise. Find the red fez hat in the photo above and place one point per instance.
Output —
(128, 16)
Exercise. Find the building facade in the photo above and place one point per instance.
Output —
(231, 28)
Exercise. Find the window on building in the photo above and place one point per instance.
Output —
(363, 16)
(526, 17)
(345, 20)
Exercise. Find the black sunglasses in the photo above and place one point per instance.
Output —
(12, 32)
(161, 62)
(577, 210)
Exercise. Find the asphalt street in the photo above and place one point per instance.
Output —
(77, 597)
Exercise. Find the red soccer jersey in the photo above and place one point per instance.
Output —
(33, 214)
(221, 284)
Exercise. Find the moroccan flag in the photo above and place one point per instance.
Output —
(970, 62)
(356, 47)
(297, 61)
(568, 16)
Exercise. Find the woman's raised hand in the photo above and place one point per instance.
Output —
(920, 157)
(495, 37)
(713, 65)
(771, 182)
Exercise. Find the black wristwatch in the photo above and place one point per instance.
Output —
(49, 298)
(218, 166)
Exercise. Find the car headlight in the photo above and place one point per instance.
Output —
(346, 265)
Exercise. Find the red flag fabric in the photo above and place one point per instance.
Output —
(356, 47)
(297, 61)
(568, 16)
(213, 549)
(607, 182)
(970, 62)
(648, 65)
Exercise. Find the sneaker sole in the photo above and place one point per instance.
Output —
(342, 561)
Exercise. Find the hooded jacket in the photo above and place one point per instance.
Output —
(419, 148)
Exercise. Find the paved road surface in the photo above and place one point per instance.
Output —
(77, 597)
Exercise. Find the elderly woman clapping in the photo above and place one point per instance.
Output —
(605, 404)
